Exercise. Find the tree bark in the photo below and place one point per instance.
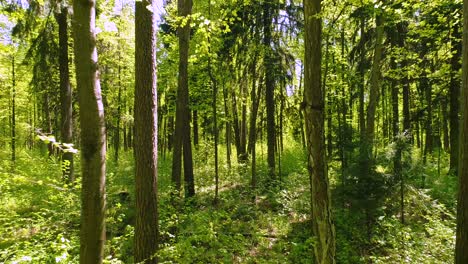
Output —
(454, 94)
(13, 111)
(269, 87)
(461, 248)
(146, 134)
(397, 167)
(65, 94)
(181, 137)
(93, 136)
(195, 128)
(374, 88)
(228, 127)
(322, 225)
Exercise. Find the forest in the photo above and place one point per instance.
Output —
(235, 131)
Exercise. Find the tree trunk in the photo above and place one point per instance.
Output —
(374, 91)
(65, 94)
(397, 167)
(344, 110)
(228, 127)
(269, 87)
(243, 156)
(254, 98)
(13, 113)
(118, 117)
(402, 29)
(181, 137)
(146, 134)
(461, 248)
(93, 136)
(427, 88)
(362, 117)
(454, 94)
(323, 229)
(195, 128)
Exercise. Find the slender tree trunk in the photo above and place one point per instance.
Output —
(236, 126)
(214, 86)
(323, 228)
(427, 88)
(454, 94)
(228, 127)
(195, 128)
(65, 94)
(170, 133)
(146, 134)
(374, 90)
(47, 120)
(13, 111)
(445, 128)
(215, 126)
(93, 136)
(269, 87)
(461, 248)
(118, 117)
(402, 29)
(253, 123)
(362, 117)
(243, 156)
(397, 167)
(344, 110)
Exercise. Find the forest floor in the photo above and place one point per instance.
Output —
(39, 215)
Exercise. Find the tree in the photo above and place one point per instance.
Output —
(461, 248)
(269, 86)
(181, 134)
(454, 95)
(65, 94)
(13, 112)
(93, 136)
(322, 225)
(146, 134)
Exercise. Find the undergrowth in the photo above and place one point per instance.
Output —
(39, 214)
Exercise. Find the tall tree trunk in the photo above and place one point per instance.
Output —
(461, 248)
(146, 134)
(269, 87)
(323, 229)
(427, 88)
(119, 115)
(13, 110)
(445, 127)
(362, 117)
(374, 90)
(243, 156)
(93, 134)
(254, 98)
(228, 127)
(181, 137)
(454, 94)
(402, 29)
(65, 93)
(397, 167)
(344, 110)
(236, 125)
